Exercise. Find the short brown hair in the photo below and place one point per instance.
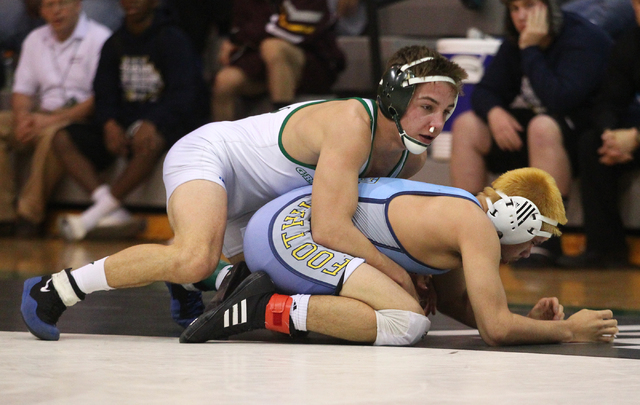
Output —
(439, 66)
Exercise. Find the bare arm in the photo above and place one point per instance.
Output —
(335, 198)
(497, 325)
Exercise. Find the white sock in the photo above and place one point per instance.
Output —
(103, 205)
(103, 191)
(298, 312)
(91, 278)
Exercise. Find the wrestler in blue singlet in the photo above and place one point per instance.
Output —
(278, 238)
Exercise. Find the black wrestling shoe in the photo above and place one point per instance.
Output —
(243, 311)
(230, 282)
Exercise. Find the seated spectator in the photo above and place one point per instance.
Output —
(52, 89)
(609, 148)
(273, 50)
(532, 101)
(148, 94)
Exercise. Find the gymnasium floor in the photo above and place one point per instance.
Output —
(122, 347)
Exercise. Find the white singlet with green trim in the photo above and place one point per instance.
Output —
(247, 158)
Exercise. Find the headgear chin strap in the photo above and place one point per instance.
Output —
(413, 145)
(394, 94)
(517, 219)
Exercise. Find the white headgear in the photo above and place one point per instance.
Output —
(517, 219)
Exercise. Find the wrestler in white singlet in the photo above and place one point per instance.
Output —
(279, 240)
(247, 158)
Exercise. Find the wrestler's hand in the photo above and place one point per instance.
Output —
(547, 309)
(537, 28)
(618, 146)
(504, 129)
(593, 326)
(426, 292)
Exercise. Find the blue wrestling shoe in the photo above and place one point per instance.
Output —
(185, 305)
(41, 308)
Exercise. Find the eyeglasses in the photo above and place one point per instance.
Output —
(50, 5)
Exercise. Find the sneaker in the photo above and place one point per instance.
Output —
(71, 227)
(230, 282)
(116, 217)
(186, 305)
(41, 308)
(243, 311)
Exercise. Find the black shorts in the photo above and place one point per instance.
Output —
(499, 161)
(89, 140)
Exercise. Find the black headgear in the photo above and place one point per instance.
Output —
(394, 94)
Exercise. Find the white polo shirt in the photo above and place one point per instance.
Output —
(59, 72)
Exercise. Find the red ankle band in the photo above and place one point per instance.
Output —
(276, 316)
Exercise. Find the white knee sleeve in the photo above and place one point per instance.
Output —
(400, 328)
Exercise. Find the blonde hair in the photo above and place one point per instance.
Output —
(535, 185)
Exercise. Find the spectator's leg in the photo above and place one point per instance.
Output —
(139, 167)
(284, 62)
(547, 152)
(471, 142)
(79, 167)
(7, 175)
(46, 171)
(227, 87)
(74, 162)
(600, 195)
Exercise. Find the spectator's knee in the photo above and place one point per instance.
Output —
(468, 129)
(273, 50)
(544, 132)
(228, 81)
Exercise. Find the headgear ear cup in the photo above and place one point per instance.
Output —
(517, 219)
(393, 97)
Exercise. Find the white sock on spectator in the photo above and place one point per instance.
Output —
(104, 203)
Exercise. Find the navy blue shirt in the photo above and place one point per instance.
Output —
(154, 76)
(565, 76)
